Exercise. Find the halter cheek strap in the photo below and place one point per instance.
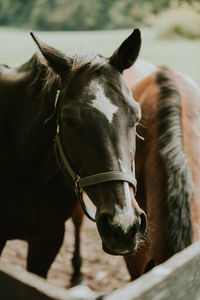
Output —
(80, 183)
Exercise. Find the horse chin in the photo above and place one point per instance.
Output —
(117, 252)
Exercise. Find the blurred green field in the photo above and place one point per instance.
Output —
(16, 46)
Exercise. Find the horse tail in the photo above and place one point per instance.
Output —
(171, 149)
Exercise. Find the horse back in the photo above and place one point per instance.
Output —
(138, 71)
(13, 85)
(10, 77)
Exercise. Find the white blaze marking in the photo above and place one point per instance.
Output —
(124, 217)
(101, 102)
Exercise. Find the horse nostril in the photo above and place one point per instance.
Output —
(143, 224)
(134, 230)
(104, 221)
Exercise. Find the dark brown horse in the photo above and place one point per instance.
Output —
(76, 107)
(167, 162)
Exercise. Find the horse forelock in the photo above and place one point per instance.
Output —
(86, 59)
(179, 183)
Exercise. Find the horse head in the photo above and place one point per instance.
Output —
(97, 118)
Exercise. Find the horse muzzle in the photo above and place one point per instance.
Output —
(116, 238)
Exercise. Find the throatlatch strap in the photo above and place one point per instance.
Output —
(64, 159)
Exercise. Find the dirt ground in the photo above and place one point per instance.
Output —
(102, 272)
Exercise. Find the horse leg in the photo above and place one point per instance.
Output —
(2, 245)
(42, 251)
(137, 263)
(150, 265)
(77, 219)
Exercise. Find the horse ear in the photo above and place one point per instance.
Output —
(55, 59)
(124, 57)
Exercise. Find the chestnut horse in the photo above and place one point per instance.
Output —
(167, 162)
(68, 123)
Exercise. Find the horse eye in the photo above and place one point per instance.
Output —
(133, 123)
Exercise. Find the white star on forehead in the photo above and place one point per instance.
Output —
(101, 102)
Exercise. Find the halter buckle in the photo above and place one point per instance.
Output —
(76, 181)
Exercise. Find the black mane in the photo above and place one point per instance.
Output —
(42, 77)
(179, 188)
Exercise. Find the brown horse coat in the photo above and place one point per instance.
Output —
(167, 161)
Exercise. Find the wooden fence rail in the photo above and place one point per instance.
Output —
(18, 284)
(176, 279)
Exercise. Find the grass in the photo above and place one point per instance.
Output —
(181, 54)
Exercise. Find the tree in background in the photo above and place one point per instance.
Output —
(15, 12)
(65, 14)
(80, 14)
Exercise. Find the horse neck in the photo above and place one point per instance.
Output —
(42, 86)
(34, 137)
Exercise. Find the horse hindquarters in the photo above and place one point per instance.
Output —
(170, 105)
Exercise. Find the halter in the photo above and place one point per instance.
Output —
(81, 183)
